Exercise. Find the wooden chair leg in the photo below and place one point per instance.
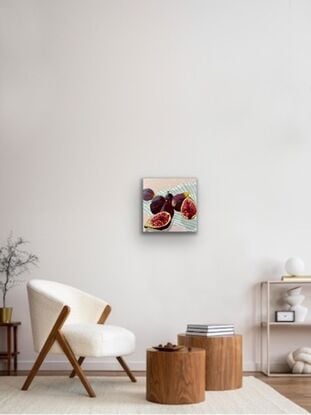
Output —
(37, 364)
(46, 347)
(80, 361)
(126, 368)
(72, 359)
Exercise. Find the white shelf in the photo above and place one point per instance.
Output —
(274, 323)
(286, 282)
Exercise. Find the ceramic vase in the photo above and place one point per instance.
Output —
(294, 300)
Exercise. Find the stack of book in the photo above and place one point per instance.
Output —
(294, 279)
(210, 329)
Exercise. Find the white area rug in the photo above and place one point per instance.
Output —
(117, 395)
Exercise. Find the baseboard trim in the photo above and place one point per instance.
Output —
(111, 364)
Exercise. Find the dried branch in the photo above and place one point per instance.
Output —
(14, 261)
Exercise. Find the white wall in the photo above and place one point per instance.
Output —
(97, 94)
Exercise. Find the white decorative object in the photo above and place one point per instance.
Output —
(299, 361)
(293, 298)
(294, 266)
(295, 291)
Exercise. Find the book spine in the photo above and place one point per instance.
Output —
(209, 330)
(210, 326)
(226, 333)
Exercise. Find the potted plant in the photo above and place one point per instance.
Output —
(14, 260)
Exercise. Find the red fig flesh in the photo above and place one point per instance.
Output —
(188, 208)
(159, 221)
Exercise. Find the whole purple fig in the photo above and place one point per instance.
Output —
(148, 194)
(167, 206)
(157, 204)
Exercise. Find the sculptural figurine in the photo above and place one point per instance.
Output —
(294, 298)
(299, 361)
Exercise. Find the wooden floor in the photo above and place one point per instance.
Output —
(296, 389)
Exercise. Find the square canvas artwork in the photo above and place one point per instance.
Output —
(170, 205)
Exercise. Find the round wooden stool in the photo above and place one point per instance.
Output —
(176, 377)
(223, 359)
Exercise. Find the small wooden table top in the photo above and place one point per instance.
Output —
(10, 323)
(172, 353)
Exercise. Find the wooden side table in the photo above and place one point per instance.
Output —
(223, 359)
(11, 352)
(176, 377)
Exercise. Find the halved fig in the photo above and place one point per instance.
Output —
(159, 222)
(188, 208)
(178, 199)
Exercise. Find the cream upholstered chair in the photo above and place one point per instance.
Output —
(70, 321)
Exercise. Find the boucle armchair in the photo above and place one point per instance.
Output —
(70, 321)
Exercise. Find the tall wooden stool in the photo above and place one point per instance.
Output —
(11, 350)
(223, 359)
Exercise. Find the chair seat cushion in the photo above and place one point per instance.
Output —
(94, 340)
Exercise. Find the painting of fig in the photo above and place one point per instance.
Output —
(188, 208)
(178, 199)
(169, 204)
(157, 204)
(159, 221)
(148, 194)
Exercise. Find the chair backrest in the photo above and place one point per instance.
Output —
(46, 300)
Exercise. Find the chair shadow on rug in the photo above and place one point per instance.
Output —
(70, 321)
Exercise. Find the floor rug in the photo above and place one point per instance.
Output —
(117, 395)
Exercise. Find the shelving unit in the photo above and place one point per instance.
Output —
(267, 325)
